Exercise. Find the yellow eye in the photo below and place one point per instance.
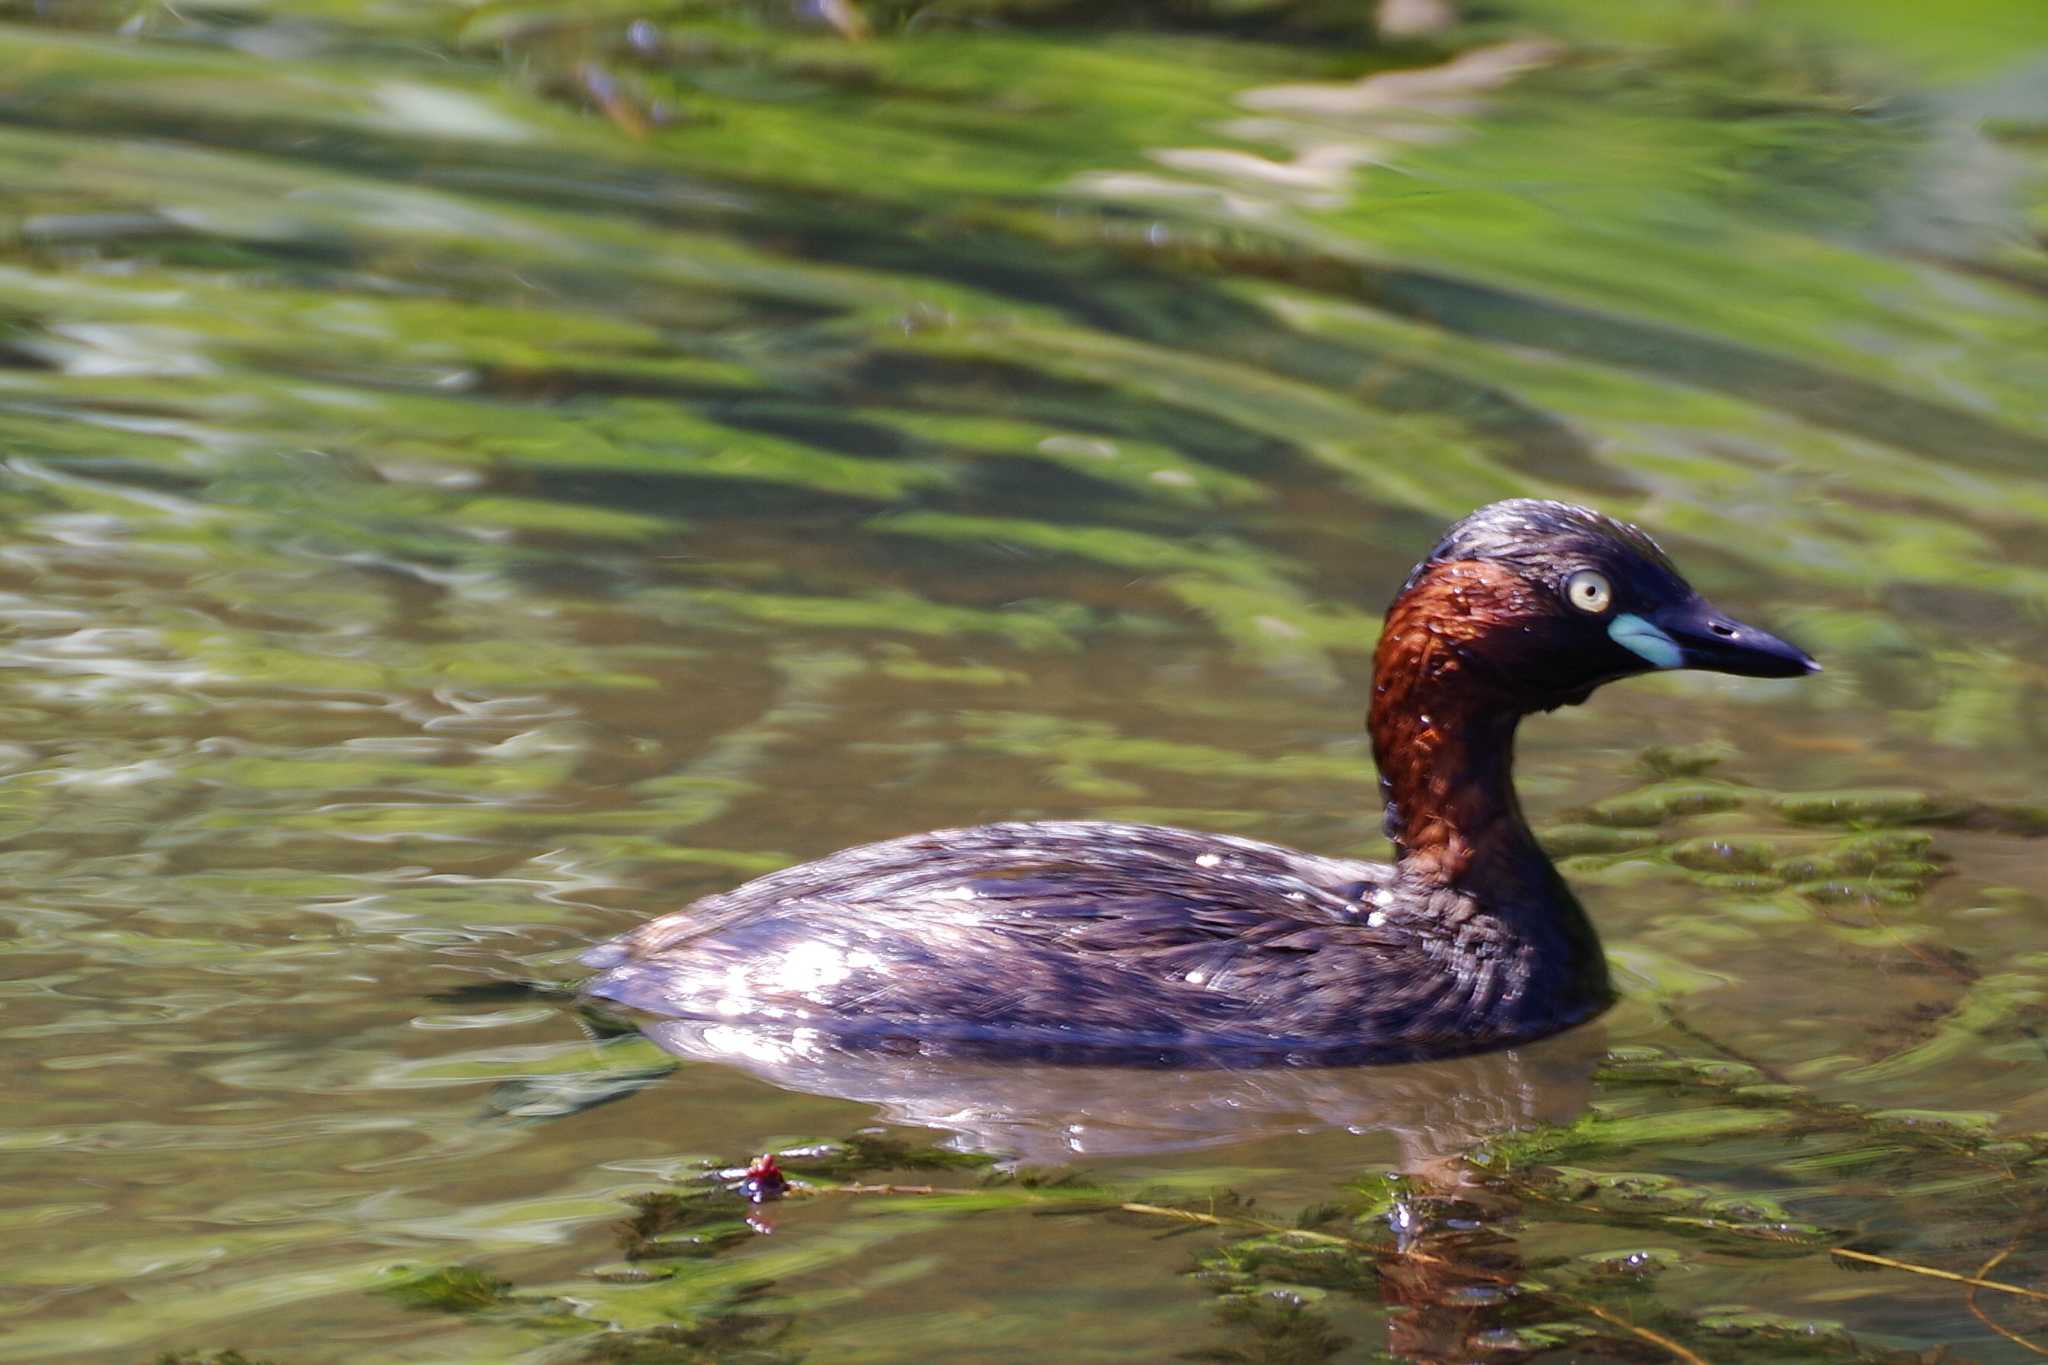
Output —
(1589, 591)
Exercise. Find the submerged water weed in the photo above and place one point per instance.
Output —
(709, 1218)
(726, 1339)
(448, 1289)
(1459, 1283)
(685, 1291)
(1490, 1253)
(1880, 863)
(1282, 1327)
(865, 1153)
(1867, 807)
(1868, 888)
(1443, 1252)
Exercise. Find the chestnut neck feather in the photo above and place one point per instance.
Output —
(1443, 729)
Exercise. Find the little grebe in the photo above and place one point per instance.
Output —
(1097, 941)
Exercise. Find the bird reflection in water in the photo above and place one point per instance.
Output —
(1449, 1266)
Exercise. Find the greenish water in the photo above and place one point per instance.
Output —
(476, 477)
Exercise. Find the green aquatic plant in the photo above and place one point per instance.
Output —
(1280, 1325)
(1879, 806)
(866, 1153)
(447, 1289)
(727, 1339)
(1437, 1247)
(695, 1223)
(1663, 801)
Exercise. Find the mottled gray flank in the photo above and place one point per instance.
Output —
(1087, 940)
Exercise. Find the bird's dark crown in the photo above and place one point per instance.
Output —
(1541, 539)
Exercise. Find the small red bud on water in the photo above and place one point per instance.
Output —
(764, 1179)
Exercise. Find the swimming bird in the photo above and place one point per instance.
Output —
(1099, 941)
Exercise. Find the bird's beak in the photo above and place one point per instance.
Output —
(1692, 634)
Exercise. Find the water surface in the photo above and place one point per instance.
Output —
(477, 478)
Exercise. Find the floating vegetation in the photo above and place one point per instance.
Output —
(1442, 1245)
(447, 1289)
(1279, 1326)
(1569, 841)
(1662, 801)
(1711, 853)
(868, 1152)
(697, 1223)
(1874, 806)
(726, 1339)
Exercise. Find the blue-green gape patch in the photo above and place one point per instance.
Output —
(1637, 635)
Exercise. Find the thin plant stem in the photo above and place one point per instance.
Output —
(1928, 1270)
(1986, 1318)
